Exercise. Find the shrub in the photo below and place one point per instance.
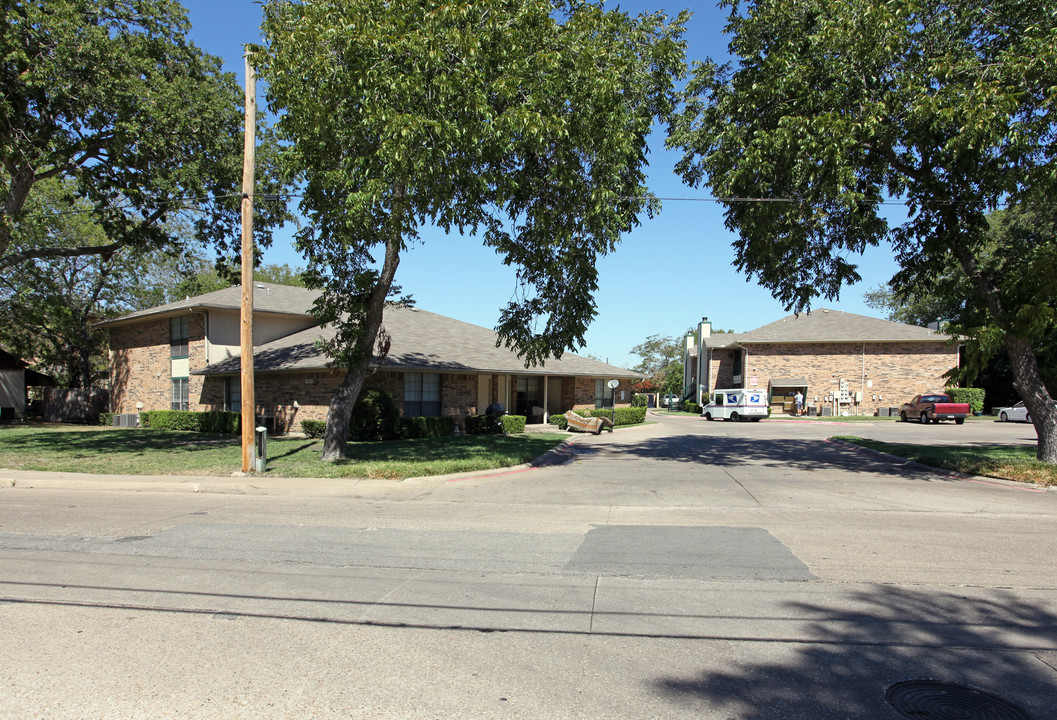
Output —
(691, 406)
(639, 400)
(973, 396)
(426, 427)
(106, 418)
(213, 421)
(481, 425)
(375, 417)
(313, 428)
(630, 415)
(513, 424)
(560, 421)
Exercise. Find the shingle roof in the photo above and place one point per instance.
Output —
(826, 325)
(267, 298)
(421, 340)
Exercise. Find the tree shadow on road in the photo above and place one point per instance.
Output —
(844, 658)
(801, 455)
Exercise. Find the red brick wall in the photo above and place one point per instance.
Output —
(141, 371)
(583, 393)
(141, 367)
(897, 371)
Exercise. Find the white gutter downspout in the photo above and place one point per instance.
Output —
(862, 378)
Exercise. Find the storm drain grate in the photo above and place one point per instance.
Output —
(931, 700)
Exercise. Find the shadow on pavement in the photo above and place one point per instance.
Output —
(1002, 645)
(801, 455)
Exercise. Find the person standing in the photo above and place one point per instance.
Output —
(799, 398)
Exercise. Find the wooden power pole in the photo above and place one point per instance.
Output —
(249, 406)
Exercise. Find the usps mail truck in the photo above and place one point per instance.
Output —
(736, 404)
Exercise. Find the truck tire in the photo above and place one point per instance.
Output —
(923, 418)
(903, 416)
(708, 416)
(959, 421)
(734, 417)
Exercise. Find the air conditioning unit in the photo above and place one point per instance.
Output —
(126, 420)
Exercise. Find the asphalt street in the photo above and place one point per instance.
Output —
(681, 569)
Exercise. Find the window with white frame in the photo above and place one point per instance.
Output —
(421, 395)
(180, 394)
(179, 335)
(233, 394)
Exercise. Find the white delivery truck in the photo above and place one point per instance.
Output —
(736, 404)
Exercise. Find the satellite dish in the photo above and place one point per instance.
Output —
(613, 384)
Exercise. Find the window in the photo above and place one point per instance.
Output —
(179, 333)
(233, 394)
(421, 395)
(600, 393)
(179, 394)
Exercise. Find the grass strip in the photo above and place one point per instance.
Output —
(1016, 462)
(119, 451)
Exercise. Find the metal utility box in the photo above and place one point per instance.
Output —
(260, 447)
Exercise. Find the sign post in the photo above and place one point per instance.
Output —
(613, 398)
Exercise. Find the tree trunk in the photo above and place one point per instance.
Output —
(1027, 380)
(336, 437)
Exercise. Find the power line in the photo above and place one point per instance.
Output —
(189, 202)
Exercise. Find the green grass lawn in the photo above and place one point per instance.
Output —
(999, 461)
(119, 451)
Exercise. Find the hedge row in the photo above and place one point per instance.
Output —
(624, 416)
(418, 427)
(973, 396)
(483, 425)
(426, 427)
(213, 421)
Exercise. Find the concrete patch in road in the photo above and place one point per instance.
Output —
(702, 553)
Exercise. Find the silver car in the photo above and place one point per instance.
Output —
(1017, 413)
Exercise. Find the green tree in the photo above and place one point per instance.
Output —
(657, 353)
(523, 121)
(111, 96)
(57, 300)
(672, 378)
(835, 106)
(205, 277)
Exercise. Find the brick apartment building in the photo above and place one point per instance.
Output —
(841, 362)
(186, 355)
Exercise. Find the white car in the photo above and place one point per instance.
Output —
(1017, 413)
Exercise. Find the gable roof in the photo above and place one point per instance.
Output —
(421, 340)
(267, 298)
(826, 325)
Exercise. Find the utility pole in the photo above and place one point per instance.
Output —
(249, 405)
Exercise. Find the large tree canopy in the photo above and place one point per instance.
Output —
(836, 106)
(110, 95)
(522, 120)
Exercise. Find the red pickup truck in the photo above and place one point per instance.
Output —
(934, 407)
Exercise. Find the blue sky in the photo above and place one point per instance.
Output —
(664, 276)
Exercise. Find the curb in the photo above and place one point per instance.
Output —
(950, 474)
